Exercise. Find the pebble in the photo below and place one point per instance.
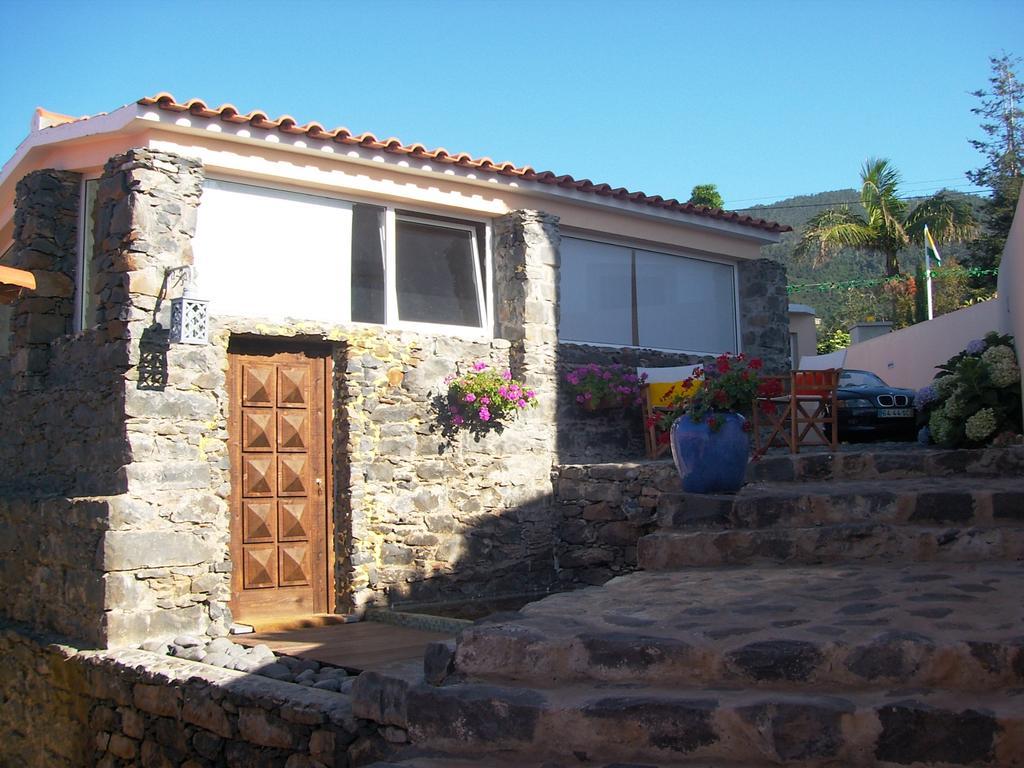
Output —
(260, 660)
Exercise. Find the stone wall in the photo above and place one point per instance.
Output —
(68, 708)
(47, 564)
(61, 404)
(764, 317)
(604, 509)
(611, 435)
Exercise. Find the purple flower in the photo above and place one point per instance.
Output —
(485, 401)
(503, 391)
(580, 399)
(530, 394)
(975, 347)
(521, 403)
(479, 366)
(470, 397)
(926, 395)
(485, 415)
(458, 420)
(506, 375)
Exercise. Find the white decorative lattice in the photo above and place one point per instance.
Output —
(189, 321)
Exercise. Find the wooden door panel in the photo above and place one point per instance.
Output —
(278, 445)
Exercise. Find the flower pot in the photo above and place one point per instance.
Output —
(711, 461)
(604, 404)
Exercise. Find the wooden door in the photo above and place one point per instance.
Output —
(279, 446)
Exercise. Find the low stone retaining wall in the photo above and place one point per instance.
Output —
(605, 509)
(68, 707)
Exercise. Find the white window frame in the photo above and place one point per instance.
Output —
(392, 318)
(78, 322)
(485, 292)
(668, 251)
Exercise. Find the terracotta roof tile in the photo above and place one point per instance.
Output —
(288, 124)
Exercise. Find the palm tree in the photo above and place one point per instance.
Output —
(888, 226)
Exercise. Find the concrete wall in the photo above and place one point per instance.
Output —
(907, 357)
(802, 324)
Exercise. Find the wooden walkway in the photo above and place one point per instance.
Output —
(365, 645)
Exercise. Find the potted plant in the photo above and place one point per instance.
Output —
(485, 399)
(711, 441)
(596, 387)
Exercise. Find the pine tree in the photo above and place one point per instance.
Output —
(1002, 113)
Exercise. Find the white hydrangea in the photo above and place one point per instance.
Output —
(980, 425)
(940, 427)
(1002, 365)
(944, 385)
(955, 406)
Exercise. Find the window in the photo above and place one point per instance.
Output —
(437, 273)
(283, 255)
(613, 294)
(86, 297)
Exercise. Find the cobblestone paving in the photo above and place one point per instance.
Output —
(958, 626)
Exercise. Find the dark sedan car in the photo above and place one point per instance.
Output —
(868, 407)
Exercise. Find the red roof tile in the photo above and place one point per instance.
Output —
(288, 124)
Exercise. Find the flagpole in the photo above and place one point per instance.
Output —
(927, 272)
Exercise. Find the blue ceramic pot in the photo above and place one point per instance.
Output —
(707, 461)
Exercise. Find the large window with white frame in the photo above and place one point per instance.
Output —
(634, 297)
(270, 253)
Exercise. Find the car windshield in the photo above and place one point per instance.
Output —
(857, 379)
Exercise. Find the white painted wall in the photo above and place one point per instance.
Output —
(267, 254)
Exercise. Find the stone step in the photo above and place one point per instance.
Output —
(849, 542)
(957, 627)
(631, 724)
(872, 464)
(521, 760)
(927, 501)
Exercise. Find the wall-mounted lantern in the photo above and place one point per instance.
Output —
(190, 319)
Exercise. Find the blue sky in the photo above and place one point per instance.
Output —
(766, 99)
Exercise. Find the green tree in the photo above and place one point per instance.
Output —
(1002, 113)
(706, 194)
(887, 225)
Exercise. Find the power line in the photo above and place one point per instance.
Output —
(966, 191)
(783, 197)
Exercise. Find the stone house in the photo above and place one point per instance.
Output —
(293, 464)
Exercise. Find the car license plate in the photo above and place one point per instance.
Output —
(895, 413)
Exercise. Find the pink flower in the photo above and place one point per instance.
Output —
(479, 366)
(485, 401)
(506, 375)
(458, 420)
(521, 403)
(530, 394)
(485, 415)
(580, 399)
(470, 397)
(503, 391)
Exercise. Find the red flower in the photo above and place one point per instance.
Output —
(756, 364)
(721, 396)
(662, 438)
(722, 364)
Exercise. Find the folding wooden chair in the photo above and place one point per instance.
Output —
(663, 386)
(772, 422)
(803, 414)
(813, 410)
